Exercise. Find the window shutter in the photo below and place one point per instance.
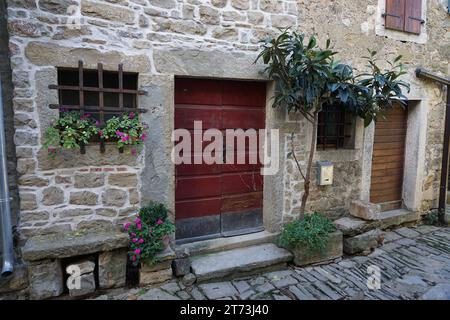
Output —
(413, 16)
(395, 14)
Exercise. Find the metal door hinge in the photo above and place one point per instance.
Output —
(417, 19)
(384, 15)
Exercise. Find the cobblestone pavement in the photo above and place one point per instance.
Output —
(414, 264)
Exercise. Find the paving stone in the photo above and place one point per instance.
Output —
(439, 292)
(264, 288)
(197, 295)
(241, 286)
(218, 290)
(300, 293)
(391, 236)
(258, 281)
(407, 232)
(157, 294)
(171, 287)
(284, 282)
(184, 295)
(189, 279)
(247, 294)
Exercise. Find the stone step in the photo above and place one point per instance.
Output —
(223, 244)
(239, 262)
(351, 226)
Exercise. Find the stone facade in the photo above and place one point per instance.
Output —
(162, 39)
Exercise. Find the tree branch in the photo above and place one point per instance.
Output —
(295, 157)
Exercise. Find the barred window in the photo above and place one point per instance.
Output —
(335, 130)
(98, 92)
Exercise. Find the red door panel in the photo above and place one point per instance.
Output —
(244, 93)
(190, 91)
(198, 187)
(197, 208)
(185, 117)
(243, 119)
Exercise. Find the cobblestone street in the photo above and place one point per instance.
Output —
(414, 264)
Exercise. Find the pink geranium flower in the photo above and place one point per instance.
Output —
(137, 251)
(135, 240)
(126, 225)
(159, 222)
(141, 241)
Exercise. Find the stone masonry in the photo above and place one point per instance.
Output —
(204, 38)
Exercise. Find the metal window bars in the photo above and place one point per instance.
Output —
(331, 133)
(101, 109)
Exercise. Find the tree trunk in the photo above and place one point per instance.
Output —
(312, 152)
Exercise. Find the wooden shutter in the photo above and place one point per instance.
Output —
(413, 16)
(395, 14)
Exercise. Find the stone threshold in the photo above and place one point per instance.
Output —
(229, 243)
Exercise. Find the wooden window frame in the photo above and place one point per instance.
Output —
(410, 13)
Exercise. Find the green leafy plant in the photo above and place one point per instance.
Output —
(125, 130)
(148, 233)
(308, 78)
(70, 131)
(432, 218)
(312, 231)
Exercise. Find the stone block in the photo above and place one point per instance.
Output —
(89, 180)
(114, 197)
(154, 277)
(123, 179)
(304, 256)
(84, 266)
(87, 286)
(18, 280)
(46, 279)
(52, 196)
(365, 210)
(107, 12)
(86, 198)
(364, 242)
(353, 226)
(181, 267)
(70, 244)
(112, 268)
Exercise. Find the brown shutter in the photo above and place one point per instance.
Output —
(413, 16)
(395, 14)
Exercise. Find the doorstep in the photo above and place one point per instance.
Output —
(229, 243)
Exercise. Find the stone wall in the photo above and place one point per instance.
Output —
(161, 39)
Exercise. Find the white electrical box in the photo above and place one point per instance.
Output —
(325, 173)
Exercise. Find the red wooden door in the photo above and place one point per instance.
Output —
(218, 199)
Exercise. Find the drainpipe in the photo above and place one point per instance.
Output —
(5, 210)
(424, 74)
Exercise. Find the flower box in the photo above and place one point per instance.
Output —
(333, 249)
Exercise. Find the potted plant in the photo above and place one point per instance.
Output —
(125, 130)
(149, 234)
(71, 130)
(313, 239)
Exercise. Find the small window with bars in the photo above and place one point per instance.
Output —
(335, 130)
(98, 92)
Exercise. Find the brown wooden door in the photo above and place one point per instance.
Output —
(218, 199)
(389, 157)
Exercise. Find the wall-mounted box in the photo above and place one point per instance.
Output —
(325, 173)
